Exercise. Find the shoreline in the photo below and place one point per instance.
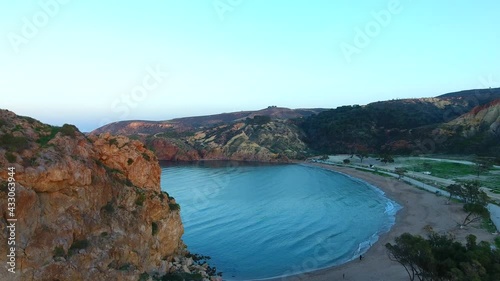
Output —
(420, 212)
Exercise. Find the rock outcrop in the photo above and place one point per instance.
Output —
(87, 208)
(269, 141)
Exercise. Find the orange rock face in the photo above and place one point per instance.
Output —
(86, 208)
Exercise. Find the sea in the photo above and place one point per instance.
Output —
(260, 221)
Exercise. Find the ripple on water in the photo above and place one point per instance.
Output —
(267, 221)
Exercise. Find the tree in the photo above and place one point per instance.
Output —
(362, 155)
(386, 158)
(474, 198)
(411, 252)
(440, 257)
(475, 212)
(400, 171)
(483, 164)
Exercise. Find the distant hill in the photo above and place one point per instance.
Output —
(395, 126)
(179, 126)
(476, 132)
(403, 126)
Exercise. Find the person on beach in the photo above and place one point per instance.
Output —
(360, 257)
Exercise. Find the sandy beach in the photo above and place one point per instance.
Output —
(421, 211)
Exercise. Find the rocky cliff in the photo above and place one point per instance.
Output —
(481, 118)
(87, 208)
(263, 140)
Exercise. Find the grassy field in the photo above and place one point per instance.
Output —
(443, 170)
(456, 171)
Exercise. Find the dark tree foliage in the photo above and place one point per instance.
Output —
(474, 198)
(397, 126)
(440, 257)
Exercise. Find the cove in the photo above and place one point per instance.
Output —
(264, 221)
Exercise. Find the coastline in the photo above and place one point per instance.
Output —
(421, 211)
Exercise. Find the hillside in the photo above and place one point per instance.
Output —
(396, 126)
(478, 131)
(404, 126)
(256, 139)
(87, 208)
(180, 126)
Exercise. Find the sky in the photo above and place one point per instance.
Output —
(93, 62)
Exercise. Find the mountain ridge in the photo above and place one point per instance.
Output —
(393, 126)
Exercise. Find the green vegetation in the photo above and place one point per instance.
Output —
(109, 207)
(178, 276)
(488, 225)
(125, 267)
(80, 244)
(144, 276)
(141, 197)
(445, 170)
(130, 161)
(174, 206)
(12, 143)
(47, 134)
(154, 228)
(440, 257)
(258, 120)
(146, 156)
(474, 198)
(400, 171)
(58, 252)
(113, 141)
(10, 157)
(68, 130)
(2, 123)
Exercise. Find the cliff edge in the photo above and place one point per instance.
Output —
(87, 208)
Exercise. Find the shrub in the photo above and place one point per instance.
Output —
(113, 141)
(130, 161)
(124, 267)
(109, 207)
(346, 161)
(141, 197)
(79, 244)
(154, 228)
(144, 276)
(182, 276)
(10, 157)
(51, 133)
(14, 144)
(146, 156)
(174, 206)
(68, 130)
(58, 252)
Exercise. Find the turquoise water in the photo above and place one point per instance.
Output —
(259, 222)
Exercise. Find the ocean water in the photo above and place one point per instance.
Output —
(263, 221)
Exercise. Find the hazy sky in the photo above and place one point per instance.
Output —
(91, 62)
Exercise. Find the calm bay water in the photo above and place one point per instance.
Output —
(262, 221)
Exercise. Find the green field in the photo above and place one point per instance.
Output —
(456, 171)
(443, 170)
